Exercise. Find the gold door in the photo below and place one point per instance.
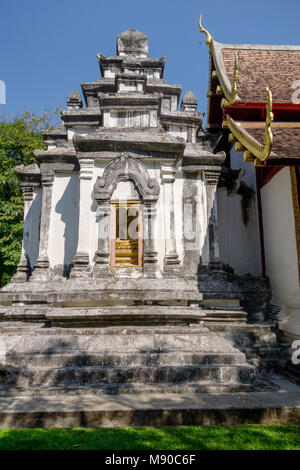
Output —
(126, 234)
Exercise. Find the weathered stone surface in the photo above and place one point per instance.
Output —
(132, 42)
(152, 409)
(126, 165)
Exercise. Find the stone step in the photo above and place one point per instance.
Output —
(104, 343)
(124, 374)
(126, 315)
(44, 328)
(152, 409)
(224, 315)
(109, 291)
(117, 388)
(129, 359)
(260, 332)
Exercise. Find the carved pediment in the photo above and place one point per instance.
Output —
(126, 167)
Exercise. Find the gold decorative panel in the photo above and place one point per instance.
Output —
(126, 234)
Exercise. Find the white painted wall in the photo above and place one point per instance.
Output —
(280, 239)
(239, 243)
(72, 131)
(202, 217)
(178, 214)
(110, 72)
(32, 228)
(133, 118)
(179, 131)
(63, 237)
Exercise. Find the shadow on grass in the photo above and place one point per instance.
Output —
(275, 437)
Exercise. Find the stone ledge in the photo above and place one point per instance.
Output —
(153, 409)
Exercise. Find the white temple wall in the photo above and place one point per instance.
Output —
(239, 239)
(202, 222)
(178, 215)
(154, 171)
(179, 132)
(280, 239)
(99, 167)
(32, 228)
(63, 231)
(72, 131)
(132, 118)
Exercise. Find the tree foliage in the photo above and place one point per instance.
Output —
(19, 138)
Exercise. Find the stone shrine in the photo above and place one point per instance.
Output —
(130, 158)
(121, 286)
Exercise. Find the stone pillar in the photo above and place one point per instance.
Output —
(101, 268)
(212, 178)
(171, 261)
(81, 262)
(41, 268)
(193, 221)
(151, 267)
(23, 270)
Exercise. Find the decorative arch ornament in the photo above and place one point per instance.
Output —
(125, 167)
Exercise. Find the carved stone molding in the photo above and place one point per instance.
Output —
(125, 167)
(212, 176)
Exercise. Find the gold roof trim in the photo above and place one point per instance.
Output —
(254, 150)
(203, 30)
(230, 95)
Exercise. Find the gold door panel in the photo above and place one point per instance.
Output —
(126, 251)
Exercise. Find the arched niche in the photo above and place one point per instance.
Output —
(125, 167)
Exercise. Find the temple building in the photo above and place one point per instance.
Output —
(253, 107)
(155, 257)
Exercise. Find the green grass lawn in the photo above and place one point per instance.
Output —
(172, 438)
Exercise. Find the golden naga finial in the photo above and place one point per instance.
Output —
(254, 152)
(268, 136)
(203, 30)
(230, 98)
(269, 113)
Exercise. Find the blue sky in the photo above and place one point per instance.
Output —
(48, 48)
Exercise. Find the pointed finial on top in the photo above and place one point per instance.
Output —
(74, 100)
(269, 113)
(203, 30)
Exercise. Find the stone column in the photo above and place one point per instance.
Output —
(23, 270)
(81, 262)
(101, 268)
(171, 261)
(193, 221)
(212, 178)
(151, 267)
(41, 268)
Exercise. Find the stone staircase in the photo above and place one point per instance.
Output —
(40, 360)
(76, 366)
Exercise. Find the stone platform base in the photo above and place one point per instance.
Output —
(144, 352)
(153, 409)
